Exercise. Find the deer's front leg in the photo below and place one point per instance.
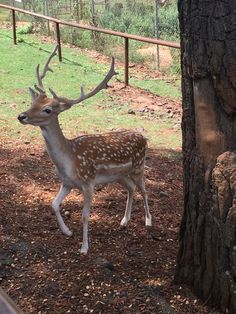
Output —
(64, 191)
(88, 196)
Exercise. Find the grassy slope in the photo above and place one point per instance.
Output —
(4, 14)
(159, 87)
(17, 72)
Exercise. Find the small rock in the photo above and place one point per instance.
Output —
(5, 260)
(145, 109)
(140, 130)
(177, 126)
(131, 111)
(162, 193)
(102, 262)
(169, 176)
(134, 253)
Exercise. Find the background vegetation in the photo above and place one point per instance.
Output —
(130, 16)
(17, 74)
(139, 18)
(135, 17)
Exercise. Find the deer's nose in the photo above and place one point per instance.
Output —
(22, 117)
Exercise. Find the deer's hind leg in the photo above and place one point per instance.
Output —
(88, 192)
(129, 185)
(138, 179)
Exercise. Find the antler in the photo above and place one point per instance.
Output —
(84, 96)
(40, 78)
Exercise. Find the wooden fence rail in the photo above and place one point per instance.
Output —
(126, 36)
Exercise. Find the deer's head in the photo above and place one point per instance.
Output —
(43, 109)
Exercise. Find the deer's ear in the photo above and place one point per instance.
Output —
(33, 93)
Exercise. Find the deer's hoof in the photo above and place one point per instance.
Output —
(124, 222)
(67, 232)
(148, 222)
(84, 250)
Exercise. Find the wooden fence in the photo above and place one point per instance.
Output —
(57, 23)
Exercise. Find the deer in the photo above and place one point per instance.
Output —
(87, 160)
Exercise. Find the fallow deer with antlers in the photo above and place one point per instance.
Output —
(87, 160)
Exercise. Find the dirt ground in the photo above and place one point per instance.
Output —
(127, 270)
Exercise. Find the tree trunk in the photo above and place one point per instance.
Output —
(92, 8)
(107, 5)
(81, 9)
(207, 253)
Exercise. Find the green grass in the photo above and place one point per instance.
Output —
(98, 114)
(159, 87)
(4, 14)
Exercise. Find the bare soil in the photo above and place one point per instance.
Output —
(127, 270)
(143, 101)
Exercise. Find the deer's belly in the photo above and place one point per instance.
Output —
(112, 172)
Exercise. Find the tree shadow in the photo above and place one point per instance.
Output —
(140, 256)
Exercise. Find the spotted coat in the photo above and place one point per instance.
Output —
(96, 152)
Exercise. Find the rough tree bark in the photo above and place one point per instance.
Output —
(207, 253)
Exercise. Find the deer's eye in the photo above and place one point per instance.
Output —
(47, 110)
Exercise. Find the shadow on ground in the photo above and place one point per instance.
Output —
(126, 271)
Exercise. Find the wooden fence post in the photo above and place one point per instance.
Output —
(14, 26)
(126, 61)
(58, 41)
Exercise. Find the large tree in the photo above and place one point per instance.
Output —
(207, 253)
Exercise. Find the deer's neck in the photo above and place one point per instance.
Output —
(56, 143)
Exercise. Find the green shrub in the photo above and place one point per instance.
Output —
(136, 57)
(139, 19)
(176, 66)
(79, 38)
(128, 22)
(26, 29)
(169, 23)
(84, 38)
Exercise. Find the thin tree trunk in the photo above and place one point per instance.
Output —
(207, 253)
(81, 9)
(157, 33)
(107, 4)
(92, 4)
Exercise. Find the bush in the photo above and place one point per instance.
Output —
(26, 29)
(128, 22)
(134, 18)
(176, 66)
(139, 19)
(169, 23)
(79, 38)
